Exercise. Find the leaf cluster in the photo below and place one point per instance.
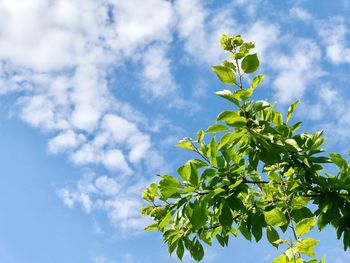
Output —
(252, 174)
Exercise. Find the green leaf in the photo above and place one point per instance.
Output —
(227, 115)
(324, 219)
(200, 135)
(339, 161)
(152, 227)
(246, 47)
(229, 138)
(346, 239)
(185, 172)
(186, 144)
(291, 110)
(197, 251)
(257, 80)
(299, 202)
(197, 163)
(306, 246)
(245, 231)
(277, 119)
(227, 94)
(275, 217)
(199, 215)
(284, 259)
(165, 221)
(237, 121)
(250, 63)
(226, 42)
(237, 55)
(216, 128)
(226, 218)
(237, 41)
(272, 235)
(225, 74)
(231, 118)
(242, 94)
(194, 177)
(237, 183)
(229, 65)
(146, 195)
(208, 173)
(180, 250)
(257, 229)
(304, 226)
(213, 151)
(292, 144)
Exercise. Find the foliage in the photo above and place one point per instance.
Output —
(253, 175)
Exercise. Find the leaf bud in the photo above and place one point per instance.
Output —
(225, 42)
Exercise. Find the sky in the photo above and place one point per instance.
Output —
(94, 95)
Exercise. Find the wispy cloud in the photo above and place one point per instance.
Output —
(295, 71)
(119, 197)
(200, 30)
(333, 34)
(58, 57)
(300, 14)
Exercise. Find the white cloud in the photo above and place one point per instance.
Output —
(135, 27)
(201, 30)
(59, 55)
(333, 34)
(118, 196)
(331, 111)
(107, 185)
(295, 71)
(248, 7)
(300, 14)
(266, 37)
(65, 140)
(115, 160)
(158, 80)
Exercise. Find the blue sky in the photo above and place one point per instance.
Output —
(95, 94)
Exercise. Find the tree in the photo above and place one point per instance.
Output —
(253, 174)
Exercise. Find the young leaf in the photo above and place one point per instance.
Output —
(165, 220)
(257, 80)
(200, 135)
(305, 225)
(339, 160)
(291, 109)
(186, 144)
(227, 94)
(278, 119)
(185, 172)
(216, 128)
(275, 217)
(250, 63)
(226, 42)
(243, 94)
(306, 246)
(299, 202)
(225, 74)
(227, 115)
